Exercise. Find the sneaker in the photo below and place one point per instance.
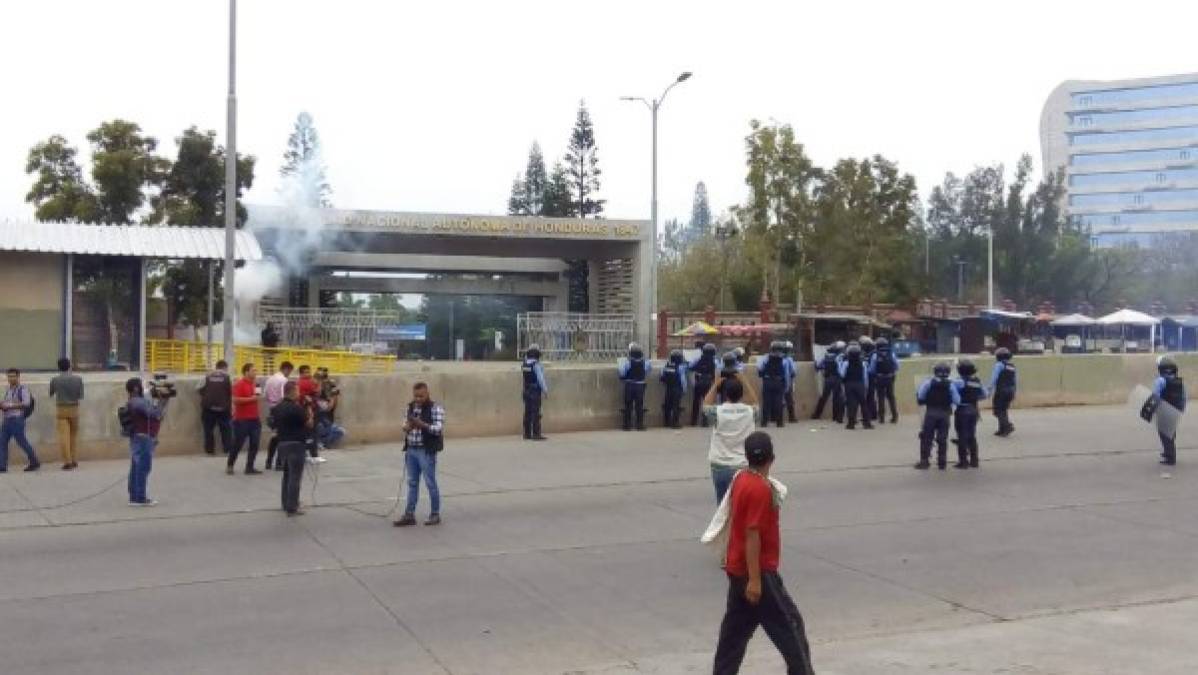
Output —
(405, 521)
(923, 466)
(33, 467)
(147, 502)
(433, 519)
(319, 460)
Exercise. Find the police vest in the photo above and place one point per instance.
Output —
(530, 374)
(775, 368)
(669, 375)
(971, 391)
(705, 368)
(636, 370)
(939, 396)
(829, 367)
(855, 371)
(885, 364)
(1174, 392)
(1006, 378)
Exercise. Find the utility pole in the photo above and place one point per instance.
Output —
(228, 313)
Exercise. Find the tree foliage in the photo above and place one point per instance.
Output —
(303, 161)
(582, 166)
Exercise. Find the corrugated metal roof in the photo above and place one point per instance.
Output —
(146, 241)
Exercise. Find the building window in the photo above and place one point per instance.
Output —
(1160, 177)
(1114, 220)
(1184, 154)
(1138, 200)
(1084, 121)
(1086, 101)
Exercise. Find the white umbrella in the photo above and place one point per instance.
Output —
(1130, 317)
(1073, 320)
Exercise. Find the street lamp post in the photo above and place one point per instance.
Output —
(654, 106)
(227, 314)
(990, 267)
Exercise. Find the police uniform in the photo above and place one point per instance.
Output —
(1003, 384)
(792, 369)
(533, 375)
(1169, 388)
(938, 396)
(775, 380)
(856, 382)
(673, 376)
(869, 410)
(830, 369)
(633, 373)
(704, 369)
(884, 367)
(965, 419)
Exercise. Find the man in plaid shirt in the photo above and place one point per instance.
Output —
(425, 425)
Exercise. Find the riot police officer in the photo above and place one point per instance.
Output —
(884, 366)
(1169, 388)
(740, 355)
(704, 369)
(856, 381)
(633, 373)
(775, 380)
(829, 367)
(938, 396)
(869, 410)
(792, 370)
(969, 390)
(729, 371)
(1003, 384)
(534, 389)
(673, 376)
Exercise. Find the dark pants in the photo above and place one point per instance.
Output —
(966, 422)
(634, 403)
(776, 613)
(212, 420)
(1169, 447)
(935, 427)
(884, 390)
(244, 430)
(790, 405)
(671, 409)
(532, 412)
(292, 457)
(1002, 405)
(870, 407)
(273, 461)
(854, 394)
(702, 386)
(772, 392)
(833, 390)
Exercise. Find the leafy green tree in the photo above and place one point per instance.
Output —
(558, 203)
(528, 192)
(582, 166)
(304, 162)
(59, 192)
(124, 170)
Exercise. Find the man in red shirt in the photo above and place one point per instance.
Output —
(756, 595)
(247, 419)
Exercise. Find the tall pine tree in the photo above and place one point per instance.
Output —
(582, 164)
(558, 203)
(700, 215)
(528, 192)
(304, 163)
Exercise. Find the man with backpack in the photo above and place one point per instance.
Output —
(17, 407)
(425, 428)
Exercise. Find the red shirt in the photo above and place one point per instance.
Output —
(244, 388)
(753, 507)
(308, 389)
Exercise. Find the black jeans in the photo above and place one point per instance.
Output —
(935, 428)
(965, 419)
(212, 420)
(634, 404)
(790, 404)
(1168, 447)
(1002, 405)
(772, 393)
(834, 390)
(532, 412)
(671, 408)
(702, 386)
(244, 430)
(776, 613)
(854, 394)
(884, 388)
(293, 456)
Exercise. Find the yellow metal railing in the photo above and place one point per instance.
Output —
(181, 356)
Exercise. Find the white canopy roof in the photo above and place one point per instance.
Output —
(146, 241)
(1074, 320)
(1128, 317)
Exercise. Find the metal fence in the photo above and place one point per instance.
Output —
(567, 336)
(326, 328)
(180, 356)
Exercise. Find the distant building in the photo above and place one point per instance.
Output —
(1130, 151)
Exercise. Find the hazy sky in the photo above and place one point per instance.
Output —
(432, 106)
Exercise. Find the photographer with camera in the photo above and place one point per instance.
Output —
(309, 391)
(328, 432)
(140, 420)
(425, 427)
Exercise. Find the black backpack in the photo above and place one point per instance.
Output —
(124, 417)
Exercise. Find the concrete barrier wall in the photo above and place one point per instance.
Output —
(483, 399)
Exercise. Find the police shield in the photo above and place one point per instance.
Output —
(1150, 408)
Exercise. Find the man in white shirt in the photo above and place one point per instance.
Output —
(733, 421)
(272, 391)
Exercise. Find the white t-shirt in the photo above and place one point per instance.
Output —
(733, 424)
(273, 389)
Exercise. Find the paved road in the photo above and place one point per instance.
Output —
(1066, 553)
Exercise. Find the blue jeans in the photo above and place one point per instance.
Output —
(141, 459)
(420, 461)
(329, 434)
(722, 476)
(14, 428)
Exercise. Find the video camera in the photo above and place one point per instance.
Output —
(161, 387)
